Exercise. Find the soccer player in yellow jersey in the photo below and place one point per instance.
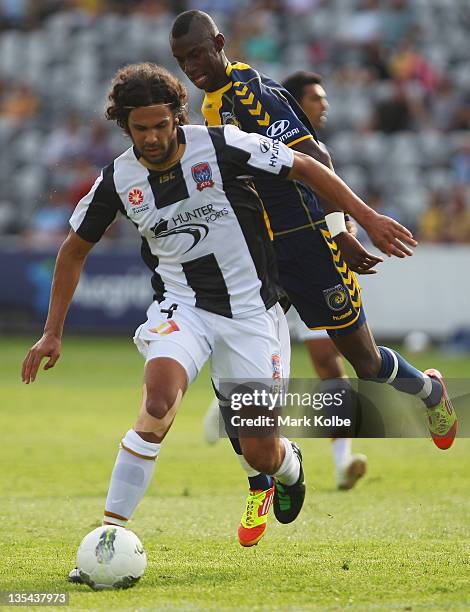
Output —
(316, 256)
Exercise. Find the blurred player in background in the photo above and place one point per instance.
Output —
(316, 255)
(307, 89)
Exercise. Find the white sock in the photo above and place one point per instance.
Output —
(131, 476)
(341, 451)
(289, 471)
(246, 467)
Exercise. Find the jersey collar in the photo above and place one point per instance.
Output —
(211, 95)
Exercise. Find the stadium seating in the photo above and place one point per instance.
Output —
(68, 58)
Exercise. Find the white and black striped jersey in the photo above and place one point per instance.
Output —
(202, 226)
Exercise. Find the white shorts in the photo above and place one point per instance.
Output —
(251, 348)
(299, 331)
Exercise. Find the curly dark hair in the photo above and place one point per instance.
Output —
(145, 84)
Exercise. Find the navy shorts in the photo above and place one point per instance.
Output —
(318, 282)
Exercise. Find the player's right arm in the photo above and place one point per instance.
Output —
(68, 268)
(90, 219)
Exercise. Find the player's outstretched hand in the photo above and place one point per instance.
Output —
(47, 346)
(390, 236)
(355, 255)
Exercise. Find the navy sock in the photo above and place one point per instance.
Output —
(396, 371)
(260, 482)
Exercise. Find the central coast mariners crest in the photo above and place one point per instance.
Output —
(202, 175)
(336, 297)
(197, 231)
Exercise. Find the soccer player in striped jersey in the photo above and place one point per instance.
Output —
(185, 189)
(316, 256)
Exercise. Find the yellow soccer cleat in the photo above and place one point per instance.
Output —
(442, 420)
(254, 520)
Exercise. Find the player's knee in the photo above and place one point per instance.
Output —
(158, 405)
(265, 465)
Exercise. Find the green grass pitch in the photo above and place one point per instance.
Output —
(399, 541)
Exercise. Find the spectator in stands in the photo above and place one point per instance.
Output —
(19, 102)
(399, 22)
(98, 150)
(364, 25)
(256, 37)
(408, 64)
(397, 110)
(49, 224)
(461, 119)
(152, 8)
(66, 142)
(456, 228)
(81, 175)
(375, 60)
(431, 222)
(460, 162)
(444, 105)
(13, 13)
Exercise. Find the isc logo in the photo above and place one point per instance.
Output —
(165, 178)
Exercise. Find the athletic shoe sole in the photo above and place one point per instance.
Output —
(355, 471)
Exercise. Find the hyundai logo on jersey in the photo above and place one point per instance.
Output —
(264, 145)
(277, 128)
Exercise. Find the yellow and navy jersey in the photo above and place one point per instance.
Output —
(256, 103)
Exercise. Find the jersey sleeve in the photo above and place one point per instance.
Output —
(97, 210)
(265, 110)
(252, 154)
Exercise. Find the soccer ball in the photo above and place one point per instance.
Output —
(111, 557)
